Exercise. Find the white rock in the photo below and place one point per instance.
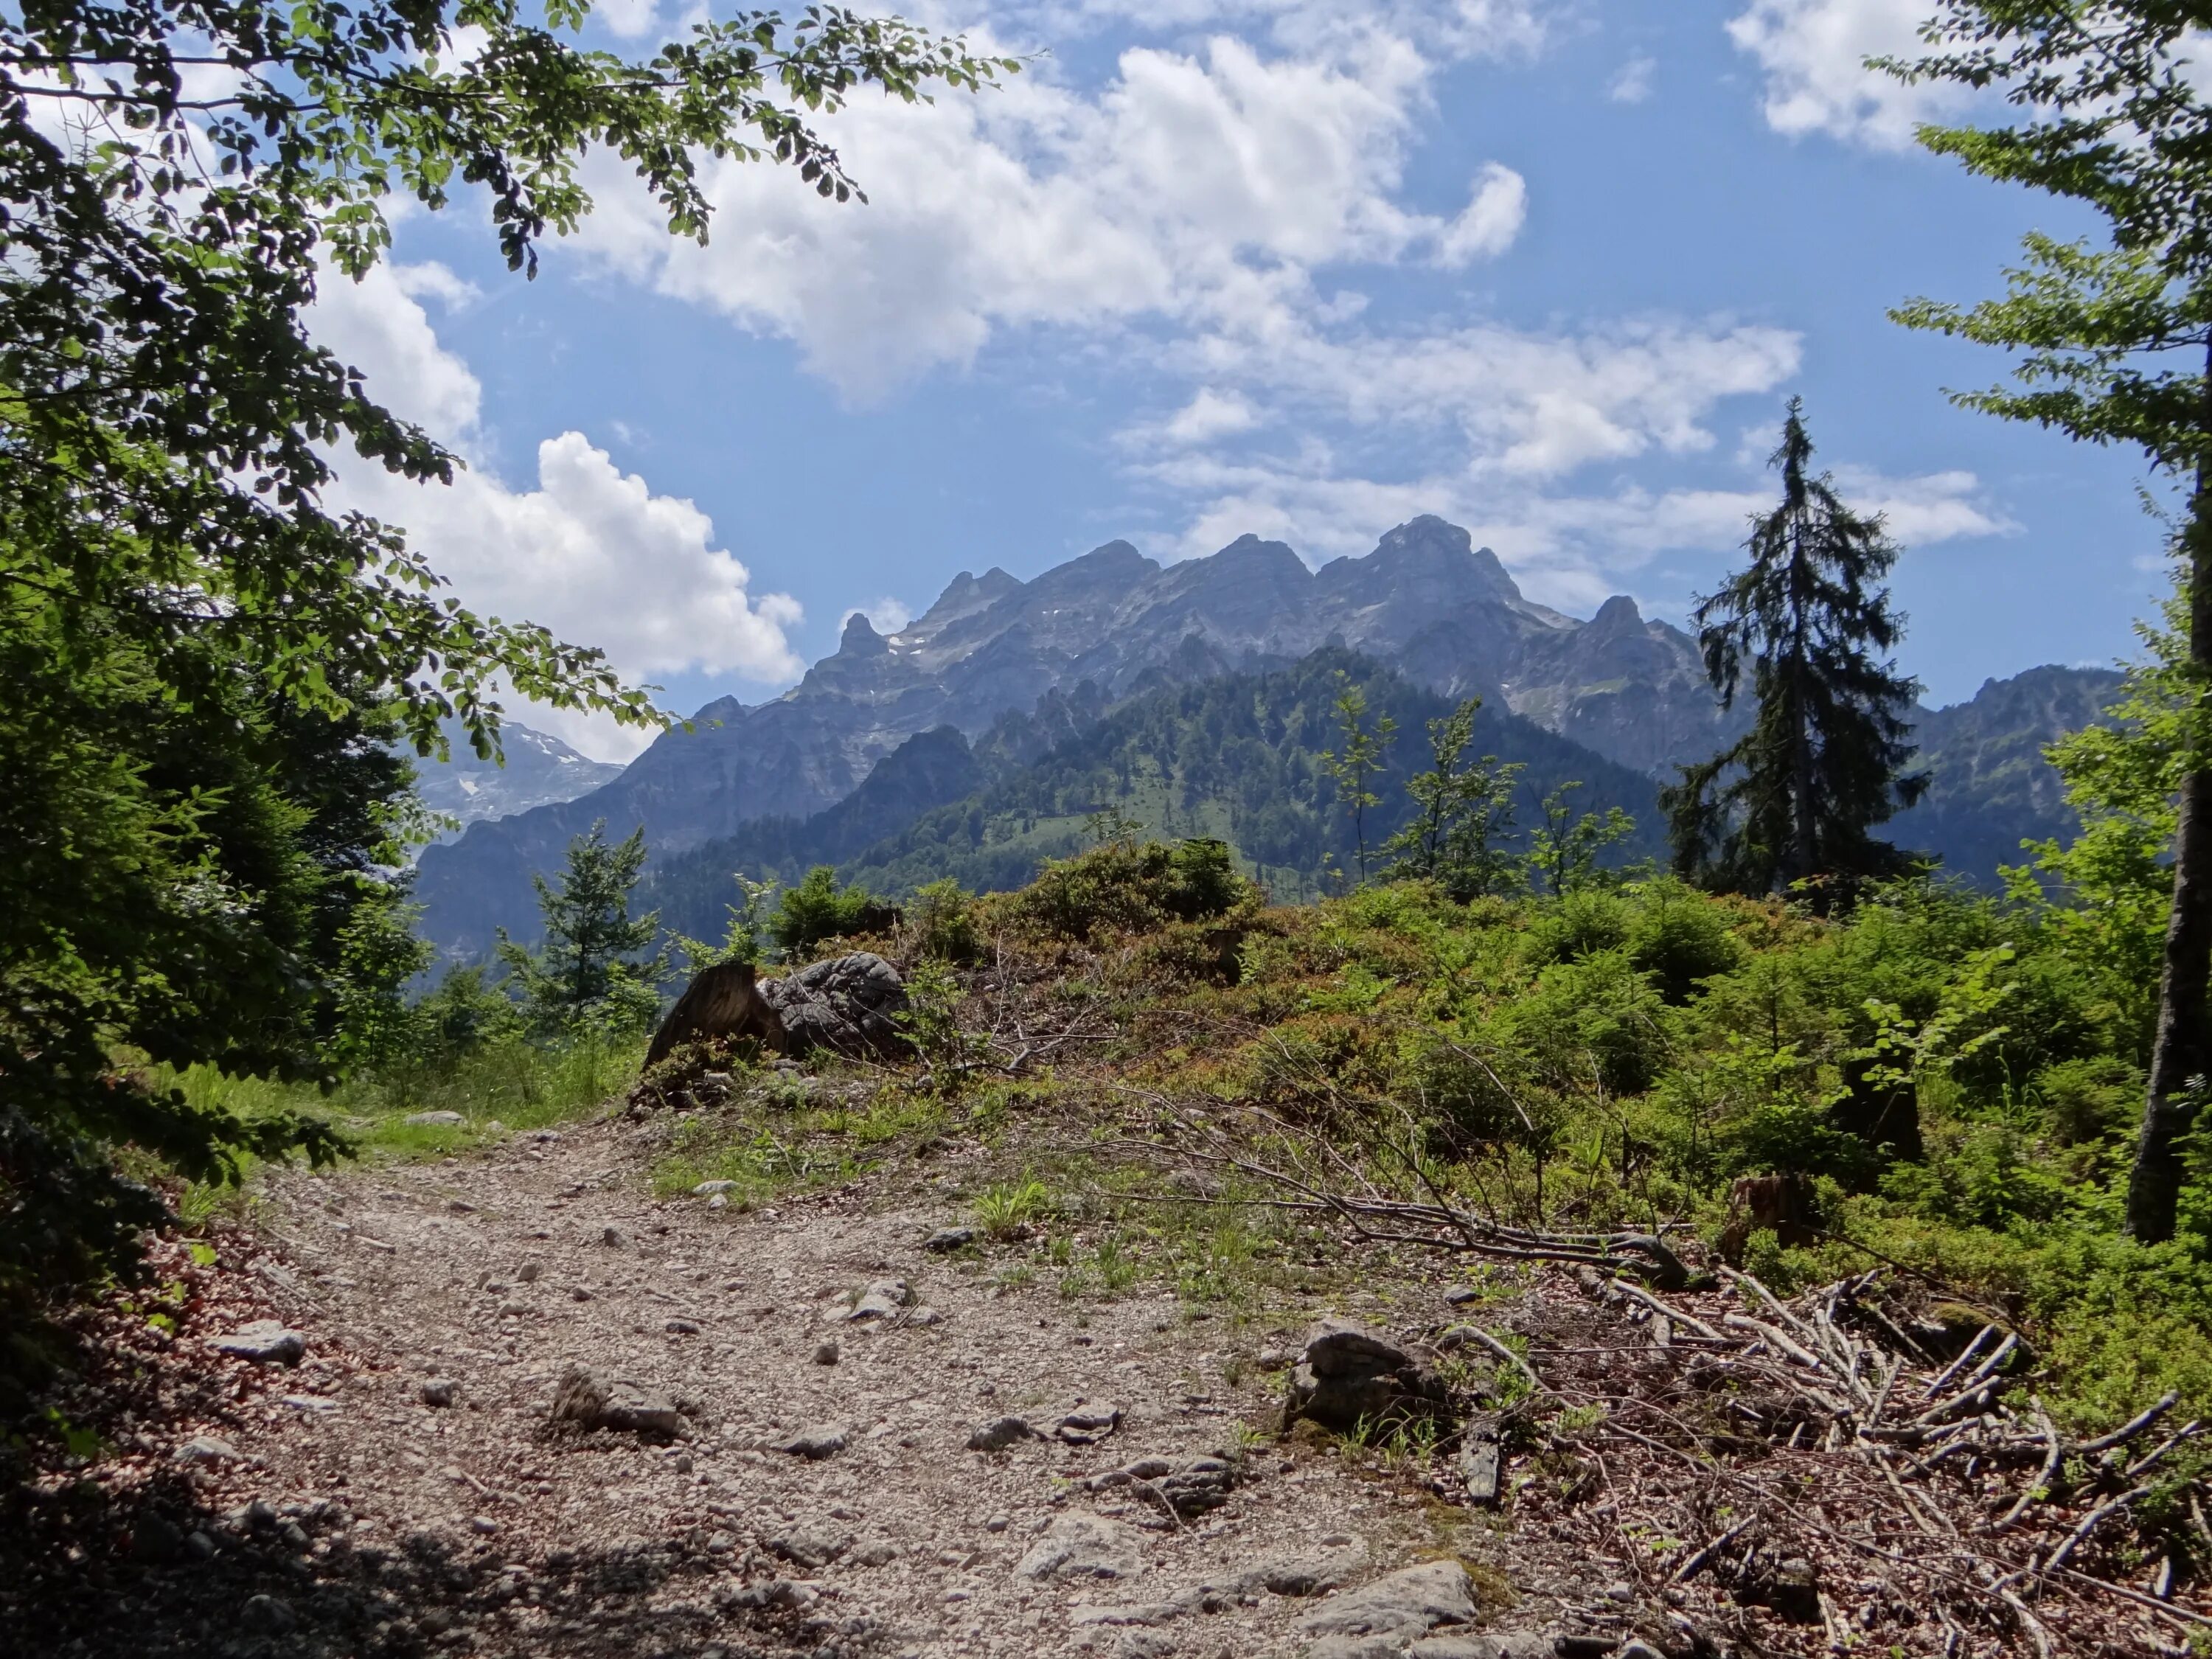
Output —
(1409, 1602)
(1082, 1547)
(885, 1298)
(265, 1342)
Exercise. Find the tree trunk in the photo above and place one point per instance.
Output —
(1805, 850)
(1806, 857)
(2183, 1050)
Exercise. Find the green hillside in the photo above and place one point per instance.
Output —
(1235, 756)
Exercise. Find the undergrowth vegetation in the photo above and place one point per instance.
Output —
(440, 1102)
(1946, 1083)
(1952, 1089)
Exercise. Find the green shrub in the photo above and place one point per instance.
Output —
(1124, 886)
(942, 923)
(1681, 939)
(1471, 1102)
(931, 1021)
(1586, 922)
(1981, 1174)
(1595, 1021)
(818, 909)
(2088, 1099)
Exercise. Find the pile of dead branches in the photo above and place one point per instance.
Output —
(1827, 1431)
(1835, 1458)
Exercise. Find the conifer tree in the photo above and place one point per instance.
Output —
(1809, 623)
(586, 974)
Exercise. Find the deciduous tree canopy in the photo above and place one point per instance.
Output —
(205, 659)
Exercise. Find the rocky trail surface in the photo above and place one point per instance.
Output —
(509, 1403)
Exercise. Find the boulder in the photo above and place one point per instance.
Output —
(584, 1397)
(208, 1448)
(1398, 1608)
(1082, 1547)
(721, 1004)
(1000, 1433)
(816, 1443)
(883, 1299)
(1088, 1428)
(265, 1342)
(848, 1005)
(1183, 1487)
(1348, 1375)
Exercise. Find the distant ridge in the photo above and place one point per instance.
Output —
(540, 770)
(1443, 614)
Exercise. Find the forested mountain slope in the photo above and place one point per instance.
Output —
(1235, 756)
(1426, 600)
(999, 674)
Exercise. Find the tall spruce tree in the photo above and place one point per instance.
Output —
(1808, 622)
(2112, 344)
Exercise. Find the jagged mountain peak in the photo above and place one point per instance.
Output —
(860, 638)
(1423, 560)
(1617, 615)
(1248, 549)
(1427, 600)
(1114, 561)
(963, 596)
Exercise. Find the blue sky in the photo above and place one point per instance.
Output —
(1221, 266)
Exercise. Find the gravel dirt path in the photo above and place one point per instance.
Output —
(333, 1509)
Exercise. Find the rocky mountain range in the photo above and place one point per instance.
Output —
(997, 653)
(540, 770)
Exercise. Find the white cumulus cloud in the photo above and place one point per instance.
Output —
(589, 551)
(1209, 415)
(1813, 55)
(1191, 186)
(1521, 402)
(1491, 220)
